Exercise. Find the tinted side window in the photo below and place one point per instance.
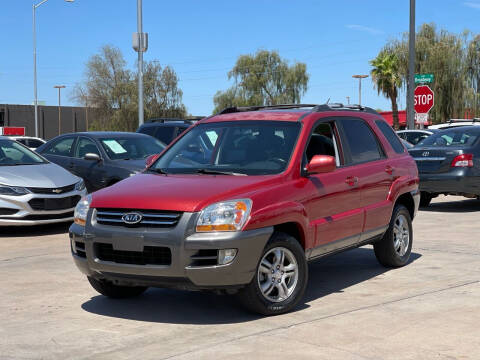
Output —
(33, 143)
(85, 146)
(62, 147)
(322, 142)
(390, 135)
(149, 130)
(165, 134)
(361, 141)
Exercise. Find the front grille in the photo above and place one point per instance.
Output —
(150, 218)
(151, 255)
(54, 203)
(58, 190)
(48, 216)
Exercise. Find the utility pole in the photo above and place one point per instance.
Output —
(360, 77)
(411, 69)
(59, 87)
(140, 45)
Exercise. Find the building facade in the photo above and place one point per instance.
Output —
(72, 119)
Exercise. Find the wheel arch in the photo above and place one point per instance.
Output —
(406, 200)
(293, 229)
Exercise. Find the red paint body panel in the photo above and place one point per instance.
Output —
(325, 207)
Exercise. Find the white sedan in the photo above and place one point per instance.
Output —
(33, 190)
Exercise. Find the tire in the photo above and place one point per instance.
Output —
(111, 290)
(425, 199)
(389, 251)
(292, 277)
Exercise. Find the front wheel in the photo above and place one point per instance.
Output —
(111, 290)
(396, 245)
(280, 279)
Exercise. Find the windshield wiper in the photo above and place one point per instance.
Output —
(218, 172)
(158, 171)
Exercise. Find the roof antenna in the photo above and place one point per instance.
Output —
(328, 101)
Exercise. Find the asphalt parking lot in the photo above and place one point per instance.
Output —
(353, 309)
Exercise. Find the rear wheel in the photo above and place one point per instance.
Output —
(396, 245)
(425, 199)
(281, 277)
(111, 290)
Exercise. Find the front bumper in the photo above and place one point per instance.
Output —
(25, 215)
(456, 181)
(184, 244)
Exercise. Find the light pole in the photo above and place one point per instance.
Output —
(411, 69)
(140, 45)
(35, 101)
(59, 87)
(360, 77)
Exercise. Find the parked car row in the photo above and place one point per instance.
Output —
(239, 202)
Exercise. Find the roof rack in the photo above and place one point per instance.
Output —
(340, 106)
(315, 108)
(463, 120)
(189, 120)
(235, 109)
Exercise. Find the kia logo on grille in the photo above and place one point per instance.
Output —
(425, 153)
(132, 218)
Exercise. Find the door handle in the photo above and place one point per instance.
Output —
(389, 170)
(351, 180)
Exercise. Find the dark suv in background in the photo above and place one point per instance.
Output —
(166, 129)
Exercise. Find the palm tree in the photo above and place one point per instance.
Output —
(387, 79)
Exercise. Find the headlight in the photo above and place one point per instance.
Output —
(224, 216)
(81, 210)
(13, 190)
(79, 186)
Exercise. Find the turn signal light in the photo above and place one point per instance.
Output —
(464, 160)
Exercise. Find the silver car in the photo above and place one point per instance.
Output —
(33, 190)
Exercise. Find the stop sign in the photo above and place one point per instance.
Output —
(423, 99)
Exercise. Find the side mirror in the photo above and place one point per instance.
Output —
(321, 164)
(151, 159)
(92, 157)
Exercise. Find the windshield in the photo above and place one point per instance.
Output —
(131, 148)
(232, 148)
(452, 137)
(12, 153)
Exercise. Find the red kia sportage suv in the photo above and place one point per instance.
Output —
(242, 200)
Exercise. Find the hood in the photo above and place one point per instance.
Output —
(188, 193)
(42, 175)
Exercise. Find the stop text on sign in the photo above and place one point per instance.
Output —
(423, 99)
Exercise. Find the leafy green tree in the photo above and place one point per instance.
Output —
(111, 91)
(445, 55)
(387, 79)
(263, 79)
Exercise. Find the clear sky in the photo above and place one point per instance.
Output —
(202, 39)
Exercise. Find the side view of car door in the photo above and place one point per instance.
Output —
(374, 171)
(331, 199)
(60, 152)
(88, 167)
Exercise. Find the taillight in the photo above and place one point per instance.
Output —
(464, 160)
